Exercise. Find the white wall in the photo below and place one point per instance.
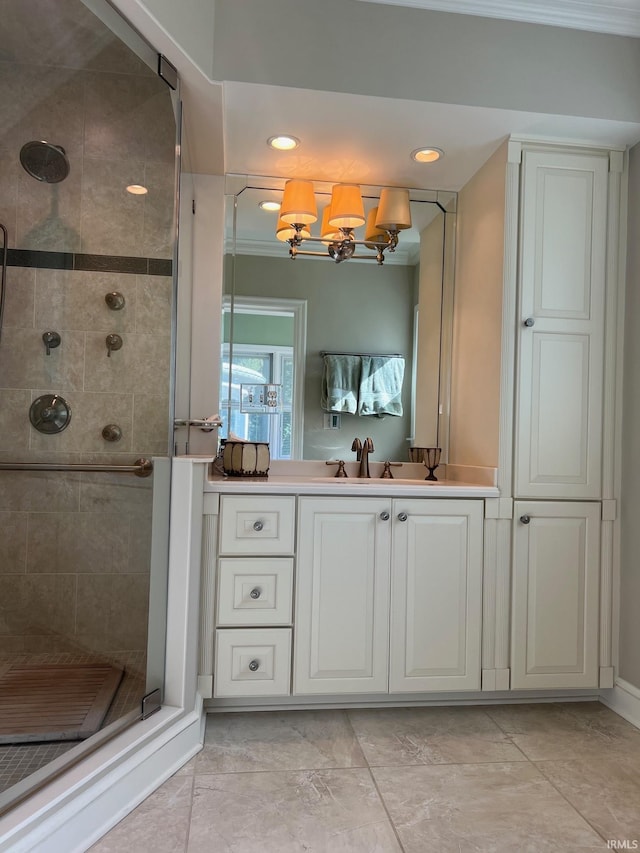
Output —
(629, 665)
(393, 51)
(477, 332)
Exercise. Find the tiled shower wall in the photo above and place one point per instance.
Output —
(74, 548)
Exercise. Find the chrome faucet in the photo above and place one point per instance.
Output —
(362, 450)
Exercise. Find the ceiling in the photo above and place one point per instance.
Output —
(620, 17)
(367, 139)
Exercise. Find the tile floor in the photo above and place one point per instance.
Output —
(19, 761)
(547, 778)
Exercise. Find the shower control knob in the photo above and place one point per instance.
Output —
(254, 665)
(114, 300)
(255, 593)
(402, 516)
(529, 322)
(51, 341)
(525, 519)
(257, 526)
(112, 432)
(114, 343)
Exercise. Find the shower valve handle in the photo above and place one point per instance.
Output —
(51, 341)
(114, 342)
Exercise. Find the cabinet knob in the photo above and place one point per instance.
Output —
(529, 322)
(256, 592)
(384, 516)
(254, 665)
(525, 519)
(258, 525)
(402, 516)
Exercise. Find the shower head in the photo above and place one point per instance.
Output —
(45, 161)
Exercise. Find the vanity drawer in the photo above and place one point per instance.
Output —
(254, 591)
(257, 525)
(253, 662)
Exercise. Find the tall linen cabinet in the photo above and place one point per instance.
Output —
(560, 414)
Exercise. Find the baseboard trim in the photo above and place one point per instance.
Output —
(77, 809)
(624, 699)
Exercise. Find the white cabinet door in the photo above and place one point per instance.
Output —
(556, 560)
(342, 596)
(561, 325)
(436, 595)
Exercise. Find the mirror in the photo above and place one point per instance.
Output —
(281, 315)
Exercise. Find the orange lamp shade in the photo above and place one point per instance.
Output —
(329, 233)
(373, 234)
(285, 231)
(394, 211)
(298, 203)
(347, 210)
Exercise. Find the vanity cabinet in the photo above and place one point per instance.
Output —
(560, 359)
(342, 595)
(388, 595)
(436, 596)
(254, 596)
(556, 579)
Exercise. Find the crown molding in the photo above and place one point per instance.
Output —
(620, 17)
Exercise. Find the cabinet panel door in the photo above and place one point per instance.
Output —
(556, 576)
(561, 350)
(342, 596)
(436, 596)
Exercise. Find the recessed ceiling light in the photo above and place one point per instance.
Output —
(283, 142)
(137, 189)
(269, 205)
(427, 155)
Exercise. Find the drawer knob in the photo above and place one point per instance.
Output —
(256, 592)
(384, 516)
(525, 519)
(402, 516)
(258, 525)
(529, 322)
(254, 665)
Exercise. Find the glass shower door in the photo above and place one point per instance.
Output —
(87, 197)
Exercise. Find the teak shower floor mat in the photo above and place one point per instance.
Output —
(40, 702)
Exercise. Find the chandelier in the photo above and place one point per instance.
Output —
(343, 214)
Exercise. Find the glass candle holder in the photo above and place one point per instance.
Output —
(431, 461)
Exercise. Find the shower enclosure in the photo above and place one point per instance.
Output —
(87, 206)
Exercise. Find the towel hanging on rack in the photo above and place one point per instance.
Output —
(340, 383)
(380, 390)
(362, 384)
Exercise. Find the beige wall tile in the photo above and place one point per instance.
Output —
(19, 304)
(13, 542)
(8, 171)
(112, 218)
(150, 424)
(154, 294)
(89, 414)
(65, 299)
(141, 365)
(158, 211)
(115, 117)
(78, 542)
(49, 214)
(117, 493)
(24, 363)
(38, 492)
(112, 611)
(38, 605)
(14, 421)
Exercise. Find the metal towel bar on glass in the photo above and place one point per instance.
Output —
(141, 467)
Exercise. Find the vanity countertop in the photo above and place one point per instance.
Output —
(317, 479)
